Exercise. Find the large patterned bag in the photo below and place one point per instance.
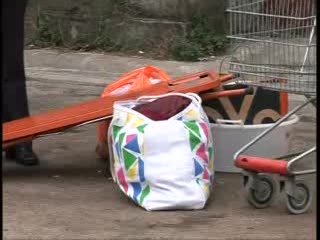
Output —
(165, 164)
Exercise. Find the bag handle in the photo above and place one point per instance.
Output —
(224, 121)
(142, 79)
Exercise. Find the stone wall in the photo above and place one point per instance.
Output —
(128, 22)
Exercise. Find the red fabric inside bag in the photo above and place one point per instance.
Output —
(163, 108)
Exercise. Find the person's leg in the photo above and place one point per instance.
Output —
(14, 93)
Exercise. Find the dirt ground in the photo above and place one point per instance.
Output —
(68, 196)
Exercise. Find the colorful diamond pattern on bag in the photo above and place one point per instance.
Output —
(133, 171)
(116, 130)
(144, 193)
(201, 147)
(132, 144)
(128, 159)
(193, 114)
(130, 170)
(141, 128)
(128, 151)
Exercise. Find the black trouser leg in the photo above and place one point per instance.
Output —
(14, 94)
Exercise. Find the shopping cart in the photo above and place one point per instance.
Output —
(275, 48)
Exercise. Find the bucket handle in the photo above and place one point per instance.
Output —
(224, 121)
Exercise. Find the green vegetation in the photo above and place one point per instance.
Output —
(49, 32)
(200, 41)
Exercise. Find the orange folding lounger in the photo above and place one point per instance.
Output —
(98, 109)
(58, 120)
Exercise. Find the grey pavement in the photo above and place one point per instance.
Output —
(68, 197)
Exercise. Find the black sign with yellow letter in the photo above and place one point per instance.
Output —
(263, 106)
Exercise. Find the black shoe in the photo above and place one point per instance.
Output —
(23, 154)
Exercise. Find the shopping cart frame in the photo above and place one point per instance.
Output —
(264, 177)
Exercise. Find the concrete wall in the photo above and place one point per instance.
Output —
(129, 22)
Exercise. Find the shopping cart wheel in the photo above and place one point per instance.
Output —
(262, 190)
(301, 199)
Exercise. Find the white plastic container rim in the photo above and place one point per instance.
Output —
(236, 123)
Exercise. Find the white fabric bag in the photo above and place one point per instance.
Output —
(166, 164)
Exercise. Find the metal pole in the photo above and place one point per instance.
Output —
(308, 48)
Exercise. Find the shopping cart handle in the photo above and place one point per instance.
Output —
(226, 93)
(249, 91)
(224, 77)
(262, 165)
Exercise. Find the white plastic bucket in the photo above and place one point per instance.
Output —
(228, 139)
